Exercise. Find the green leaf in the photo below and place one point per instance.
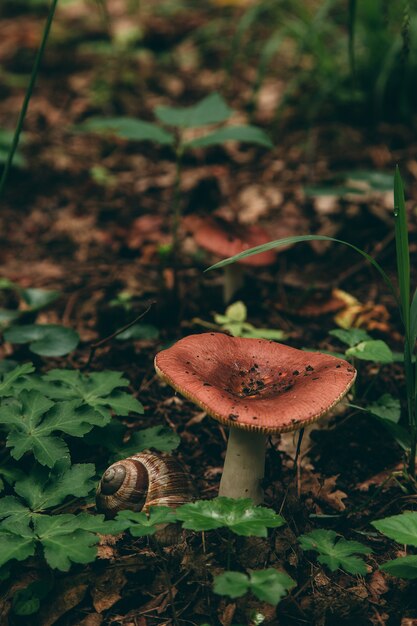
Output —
(240, 516)
(28, 432)
(44, 489)
(64, 542)
(375, 350)
(211, 110)
(244, 134)
(236, 312)
(128, 128)
(279, 243)
(139, 331)
(350, 336)
(267, 585)
(37, 299)
(403, 567)
(402, 528)
(159, 438)
(335, 551)
(141, 524)
(232, 584)
(270, 585)
(386, 407)
(98, 391)
(27, 601)
(44, 339)
(413, 319)
(14, 546)
(263, 333)
(12, 507)
(10, 378)
(402, 249)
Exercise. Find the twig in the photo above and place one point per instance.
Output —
(102, 342)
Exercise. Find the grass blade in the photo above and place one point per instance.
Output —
(298, 239)
(403, 254)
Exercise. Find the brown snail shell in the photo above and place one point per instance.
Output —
(141, 481)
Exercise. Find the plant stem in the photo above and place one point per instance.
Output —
(28, 96)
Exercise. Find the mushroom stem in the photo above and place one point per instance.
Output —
(244, 465)
(233, 281)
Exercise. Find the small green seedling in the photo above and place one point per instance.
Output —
(238, 515)
(268, 585)
(336, 552)
(176, 128)
(402, 529)
(234, 322)
(361, 345)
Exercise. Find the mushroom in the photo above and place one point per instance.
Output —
(224, 239)
(257, 388)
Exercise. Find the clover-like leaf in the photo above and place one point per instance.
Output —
(44, 339)
(402, 528)
(43, 489)
(269, 585)
(37, 299)
(239, 515)
(335, 551)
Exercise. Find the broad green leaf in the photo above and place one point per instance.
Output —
(270, 585)
(141, 524)
(243, 134)
(403, 567)
(63, 542)
(350, 336)
(128, 128)
(386, 407)
(240, 516)
(263, 333)
(44, 489)
(14, 546)
(39, 298)
(375, 350)
(211, 110)
(335, 551)
(98, 391)
(44, 339)
(139, 331)
(232, 584)
(27, 601)
(159, 438)
(279, 243)
(10, 378)
(402, 528)
(12, 507)
(236, 312)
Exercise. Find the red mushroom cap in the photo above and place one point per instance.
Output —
(255, 384)
(226, 239)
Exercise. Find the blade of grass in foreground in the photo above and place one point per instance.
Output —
(403, 254)
(298, 239)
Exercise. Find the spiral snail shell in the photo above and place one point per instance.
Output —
(141, 481)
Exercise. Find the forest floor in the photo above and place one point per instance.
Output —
(88, 216)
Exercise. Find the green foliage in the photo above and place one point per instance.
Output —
(6, 138)
(211, 110)
(234, 322)
(44, 339)
(335, 551)
(268, 585)
(159, 438)
(30, 301)
(350, 336)
(139, 331)
(375, 350)
(141, 524)
(240, 516)
(403, 529)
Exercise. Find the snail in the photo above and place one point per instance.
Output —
(141, 481)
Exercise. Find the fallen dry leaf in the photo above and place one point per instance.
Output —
(107, 588)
